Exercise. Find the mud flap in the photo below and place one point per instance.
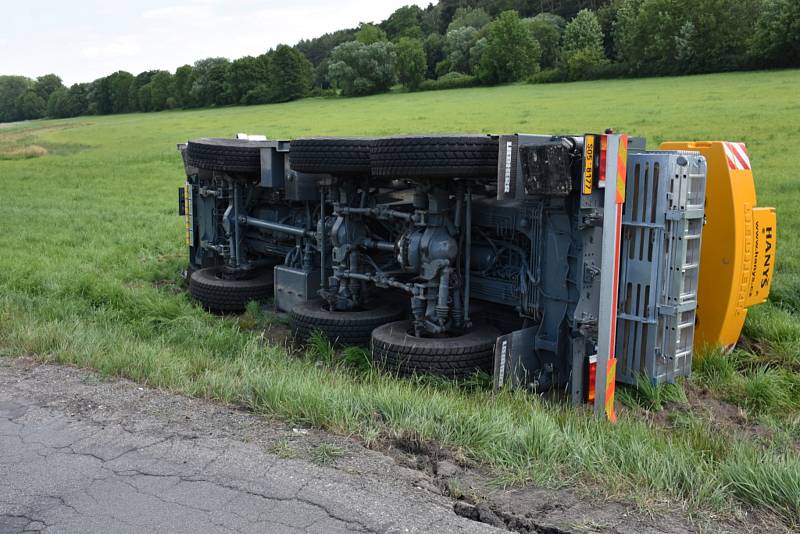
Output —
(513, 354)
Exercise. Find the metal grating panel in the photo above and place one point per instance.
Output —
(660, 259)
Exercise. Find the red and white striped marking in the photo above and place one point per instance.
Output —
(736, 153)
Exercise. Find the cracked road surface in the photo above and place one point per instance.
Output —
(78, 454)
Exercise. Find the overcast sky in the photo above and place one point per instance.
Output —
(81, 40)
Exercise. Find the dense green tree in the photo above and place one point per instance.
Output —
(404, 22)
(476, 54)
(680, 36)
(140, 99)
(434, 52)
(119, 91)
(582, 49)
(208, 82)
(457, 45)
(183, 86)
(241, 77)
(429, 19)
(320, 76)
(290, 74)
(70, 102)
(776, 39)
(264, 61)
(467, 16)
(56, 104)
(245, 74)
(153, 91)
(548, 35)
(641, 49)
(11, 88)
(100, 96)
(556, 20)
(446, 10)
(511, 53)
(564, 8)
(625, 34)
(359, 69)
(411, 62)
(583, 32)
(319, 48)
(162, 90)
(607, 16)
(47, 84)
(144, 98)
(30, 105)
(78, 99)
(714, 34)
(369, 33)
(261, 94)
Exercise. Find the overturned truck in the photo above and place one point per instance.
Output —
(557, 263)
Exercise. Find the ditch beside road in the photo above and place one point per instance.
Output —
(82, 454)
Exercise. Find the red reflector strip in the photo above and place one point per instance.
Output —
(736, 154)
(592, 380)
(603, 149)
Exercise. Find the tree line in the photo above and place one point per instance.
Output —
(279, 75)
(454, 43)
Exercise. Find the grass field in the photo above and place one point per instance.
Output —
(92, 249)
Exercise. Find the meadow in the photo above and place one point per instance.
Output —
(92, 254)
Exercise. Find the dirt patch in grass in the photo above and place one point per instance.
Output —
(24, 144)
(578, 506)
(277, 332)
(22, 152)
(409, 450)
(478, 495)
(724, 415)
(701, 404)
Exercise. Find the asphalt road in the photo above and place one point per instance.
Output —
(78, 454)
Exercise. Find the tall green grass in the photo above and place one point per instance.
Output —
(92, 250)
(519, 436)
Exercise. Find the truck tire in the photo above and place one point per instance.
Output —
(225, 295)
(470, 156)
(395, 347)
(341, 156)
(342, 328)
(228, 155)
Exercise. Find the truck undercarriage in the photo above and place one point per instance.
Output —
(543, 259)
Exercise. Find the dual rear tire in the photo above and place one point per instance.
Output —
(434, 157)
(396, 348)
(218, 293)
(342, 328)
(390, 337)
